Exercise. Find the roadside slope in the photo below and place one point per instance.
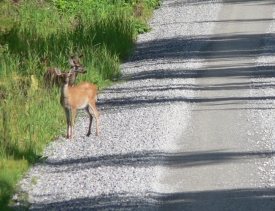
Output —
(219, 154)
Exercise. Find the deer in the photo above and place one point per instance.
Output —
(81, 96)
(51, 78)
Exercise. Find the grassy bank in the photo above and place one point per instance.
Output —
(35, 35)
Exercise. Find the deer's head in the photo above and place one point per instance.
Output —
(76, 67)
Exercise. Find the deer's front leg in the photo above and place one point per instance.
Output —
(72, 123)
(67, 112)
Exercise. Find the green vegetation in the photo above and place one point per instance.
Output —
(35, 35)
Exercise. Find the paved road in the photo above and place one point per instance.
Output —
(217, 158)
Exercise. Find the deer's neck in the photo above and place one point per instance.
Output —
(65, 91)
(72, 78)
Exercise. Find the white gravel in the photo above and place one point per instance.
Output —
(140, 120)
(262, 114)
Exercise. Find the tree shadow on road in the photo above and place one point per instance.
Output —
(216, 200)
(185, 47)
(181, 50)
(225, 200)
(155, 158)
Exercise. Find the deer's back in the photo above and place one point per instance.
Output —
(79, 96)
(86, 87)
(51, 77)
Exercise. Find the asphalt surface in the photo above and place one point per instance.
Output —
(218, 161)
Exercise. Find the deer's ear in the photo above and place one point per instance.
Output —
(72, 61)
(71, 71)
(57, 71)
(81, 55)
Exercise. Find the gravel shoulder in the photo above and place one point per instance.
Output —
(143, 121)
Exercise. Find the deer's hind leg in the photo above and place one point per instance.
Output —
(91, 120)
(91, 109)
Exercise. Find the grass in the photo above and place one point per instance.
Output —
(37, 34)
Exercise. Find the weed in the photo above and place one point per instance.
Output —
(34, 180)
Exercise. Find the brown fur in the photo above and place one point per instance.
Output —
(80, 96)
